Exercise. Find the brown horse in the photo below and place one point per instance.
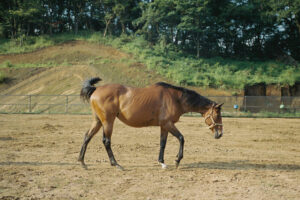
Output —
(160, 104)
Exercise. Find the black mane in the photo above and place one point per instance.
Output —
(167, 85)
(191, 97)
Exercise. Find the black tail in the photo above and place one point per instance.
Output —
(88, 88)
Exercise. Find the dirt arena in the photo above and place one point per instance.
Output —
(255, 159)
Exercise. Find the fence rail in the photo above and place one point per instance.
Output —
(64, 104)
(71, 104)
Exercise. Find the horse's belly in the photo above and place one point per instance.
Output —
(141, 120)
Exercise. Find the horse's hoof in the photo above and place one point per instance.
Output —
(82, 164)
(163, 165)
(176, 164)
(120, 167)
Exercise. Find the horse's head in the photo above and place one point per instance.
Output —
(213, 119)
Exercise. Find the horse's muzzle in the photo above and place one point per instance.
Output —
(217, 135)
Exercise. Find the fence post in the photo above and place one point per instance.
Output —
(67, 102)
(236, 103)
(266, 104)
(29, 103)
(245, 104)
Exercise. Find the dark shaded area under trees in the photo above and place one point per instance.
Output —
(241, 29)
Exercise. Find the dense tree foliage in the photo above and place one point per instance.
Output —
(248, 29)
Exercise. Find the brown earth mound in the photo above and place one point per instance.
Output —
(76, 61)
(56, 80)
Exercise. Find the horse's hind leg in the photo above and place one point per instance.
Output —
(107, 132)
(96, 125)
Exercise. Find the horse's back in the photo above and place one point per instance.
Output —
(108, 90)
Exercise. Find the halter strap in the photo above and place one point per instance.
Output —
(212, 119)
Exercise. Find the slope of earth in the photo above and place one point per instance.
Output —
(52, 80)
(14, 76)
(70, 63)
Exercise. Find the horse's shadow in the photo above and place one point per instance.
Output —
(239, 165)
(233, 165)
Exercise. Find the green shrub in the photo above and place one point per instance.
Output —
(2, 77)
(6, 64)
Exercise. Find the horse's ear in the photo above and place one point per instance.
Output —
(219, 105)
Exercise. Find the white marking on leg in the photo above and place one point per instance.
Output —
(163, 165)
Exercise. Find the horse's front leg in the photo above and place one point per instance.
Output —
(175, 132)
(163, 142)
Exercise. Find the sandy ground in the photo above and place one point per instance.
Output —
(256, 159)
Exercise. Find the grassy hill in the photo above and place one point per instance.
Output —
(63, 67)
(131, 60)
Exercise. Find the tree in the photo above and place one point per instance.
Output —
(18, 16)
(194, 20)
(287, 13)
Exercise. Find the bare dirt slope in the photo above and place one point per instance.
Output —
(256, 159)
(54, 80)
(73, 52)
(72, 62)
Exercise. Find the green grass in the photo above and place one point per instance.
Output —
(265, 114)
(262, 114)
(6, 64)
(33, 43)
(2, 77)
(170, 62)
(32, 65)
(214, 72)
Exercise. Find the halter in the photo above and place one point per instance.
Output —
(212, 119)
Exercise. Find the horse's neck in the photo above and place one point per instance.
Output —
(201, 109)
(204, 109)
(197, 104)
